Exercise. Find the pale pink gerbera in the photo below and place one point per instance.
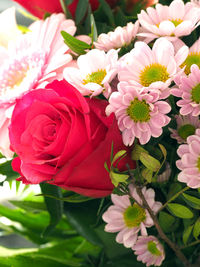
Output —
(140, 113)
(154, 68)
(189, 164)
(173, 21)
(128, 219)
(149, 250)
(122, 36)
(189, 91)
(34, 60)
(95, 71)
(186, 126)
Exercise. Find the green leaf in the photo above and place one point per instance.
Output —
(74, 44)
(76, 198)
(147, 174)
(6, 169)
(108, 12)
(83, 217)
(29, 205)
(137, 150)
(117, 178)
(94, 33)
(196, 230)
(186, 234)
(180, 211)
(192, 201)
(149, 162)
(54, 206)
(164, 151)
(118, 155)
(81, 10)
(166, 221)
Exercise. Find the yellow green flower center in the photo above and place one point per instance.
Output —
(176, 22)
(152, 248)
(186, 130)
(139, 111)
(198, 163)
(134, 215)
(195, 93)
(95, 77)
(153, 73)
(192, 58)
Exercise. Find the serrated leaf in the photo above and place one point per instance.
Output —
(54, 206)
(192, 201)
(196, 229)
(74, 44)
(166, 221)
(118, 155)
(149, 162)
(117, 178)
(186, 234)
(180, 211)
(147, 174)
(81, 10)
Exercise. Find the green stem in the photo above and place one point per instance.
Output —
(173, 197)
(191, 244)
(62, 3)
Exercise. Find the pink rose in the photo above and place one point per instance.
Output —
(63, 138)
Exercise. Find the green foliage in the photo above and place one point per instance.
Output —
(180, 211)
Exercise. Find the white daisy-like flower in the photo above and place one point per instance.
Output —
(128, 219)
(154, 68)
(121, 36)
(95, 72)
(173, 21)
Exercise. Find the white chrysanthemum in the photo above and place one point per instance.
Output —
(95, 71)
(128, 219)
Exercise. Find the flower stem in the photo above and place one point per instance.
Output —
(162, 235)
(173, 197)
(191, 244)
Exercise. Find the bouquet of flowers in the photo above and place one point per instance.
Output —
(100, 105)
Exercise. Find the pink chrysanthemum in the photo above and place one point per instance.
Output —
(189, 164)
(95, 72)
(128, 219)
(189, 91)
(149, 250)
(186, 126)
(121, 36)
(139, 113)
(173, 21)
(154, 68)
(34, 60)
